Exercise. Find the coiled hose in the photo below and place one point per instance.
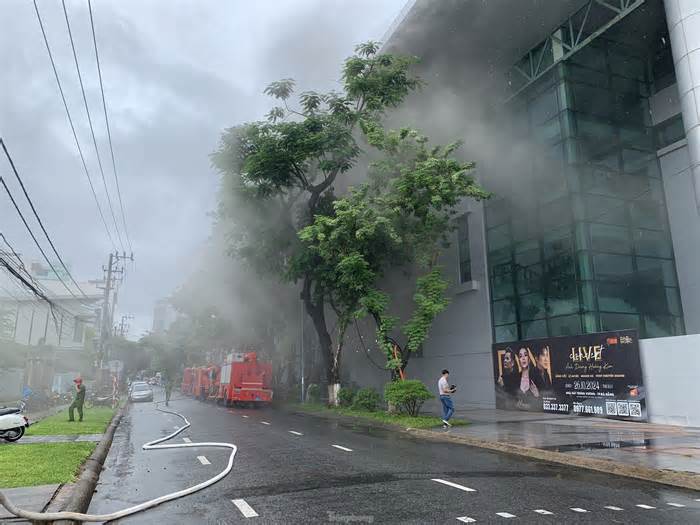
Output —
(151, 445)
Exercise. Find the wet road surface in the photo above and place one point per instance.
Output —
(301, 469)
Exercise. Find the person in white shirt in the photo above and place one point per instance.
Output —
(445, 391)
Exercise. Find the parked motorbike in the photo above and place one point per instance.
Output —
(12, 423)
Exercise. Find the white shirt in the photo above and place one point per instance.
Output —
(443, 387)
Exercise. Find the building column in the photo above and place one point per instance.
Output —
(683, 18)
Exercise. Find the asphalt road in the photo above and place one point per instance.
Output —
(301, 469)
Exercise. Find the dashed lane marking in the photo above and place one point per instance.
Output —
(187, 440)
(578, 509)
(295, 432)
(203, 460)
(506, 515)
(245, 509)
(645, 507)
(466, 519)
(265, 423)
(346, 449)
(613, 507)
(543, 512)
(454, 485)
(675, 504)
(245, 416)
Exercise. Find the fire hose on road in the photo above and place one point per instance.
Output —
(151, 445)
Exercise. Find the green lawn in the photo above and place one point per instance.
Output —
(399, 420)
(95, 421)
(41, 463)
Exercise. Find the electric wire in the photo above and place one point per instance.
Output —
(72, 126)
(31, 233)
(109, 132)
(41, 224)
(92, 130)
(151, 445)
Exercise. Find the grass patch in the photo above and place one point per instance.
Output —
(95, 421)
(399, 420)
(41, 463)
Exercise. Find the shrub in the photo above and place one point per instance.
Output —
(345, 397)
(366, 399)
(408, 396)
(313, 393)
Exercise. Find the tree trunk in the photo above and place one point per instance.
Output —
(315, 310)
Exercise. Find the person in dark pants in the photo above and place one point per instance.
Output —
(78, 401)
(445, 391)
(168, 389)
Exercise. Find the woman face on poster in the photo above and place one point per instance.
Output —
(524, 359)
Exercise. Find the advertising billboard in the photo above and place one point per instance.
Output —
(590, 374)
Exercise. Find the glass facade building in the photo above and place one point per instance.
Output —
(584, 244)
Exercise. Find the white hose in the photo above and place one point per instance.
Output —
(151, 445)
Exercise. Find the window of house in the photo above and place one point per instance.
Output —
(465, 264)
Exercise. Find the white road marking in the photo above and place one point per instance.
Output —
(466, 519)
(203, 460)
(544, 512)
(265, 423)
(646, 507)
(505, 515)
(342, 448)
(578, 509)
(244, 416)
(245, 509)
(455, 485)
(187, 440)
(675, 504)
(295, 432)
(613, 507)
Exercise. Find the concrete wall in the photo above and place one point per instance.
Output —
(683, 18)
(671, 366)
(460, 339)
(11, 384)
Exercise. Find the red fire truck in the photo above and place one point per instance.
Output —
(187, 381)
(244, 379)
(206, 382)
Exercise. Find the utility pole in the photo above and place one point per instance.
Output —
(123, 326)
(112, 271)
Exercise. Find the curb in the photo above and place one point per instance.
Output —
(84, 488)
(673, 478)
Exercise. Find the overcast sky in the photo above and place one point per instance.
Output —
(175, 74)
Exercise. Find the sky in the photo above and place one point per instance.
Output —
(176, 73)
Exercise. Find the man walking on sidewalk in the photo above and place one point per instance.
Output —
(78, 400)
(446, 391)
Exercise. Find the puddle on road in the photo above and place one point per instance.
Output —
(639, 443)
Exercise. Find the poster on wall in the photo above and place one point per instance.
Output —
(590, 374)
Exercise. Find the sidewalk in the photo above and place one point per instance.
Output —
(662, 447)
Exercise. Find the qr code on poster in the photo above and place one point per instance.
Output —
(623, 408)
(635, 409)
(611, 408)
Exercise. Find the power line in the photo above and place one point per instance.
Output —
(109, 132)
(72, 126)
(26, 224)
(30, 286)
(92, 130)
(41, 224)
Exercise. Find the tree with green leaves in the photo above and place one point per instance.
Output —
(402, 216)
(280, 174)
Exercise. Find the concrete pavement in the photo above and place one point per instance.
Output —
(299, 469)
(638, 444)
